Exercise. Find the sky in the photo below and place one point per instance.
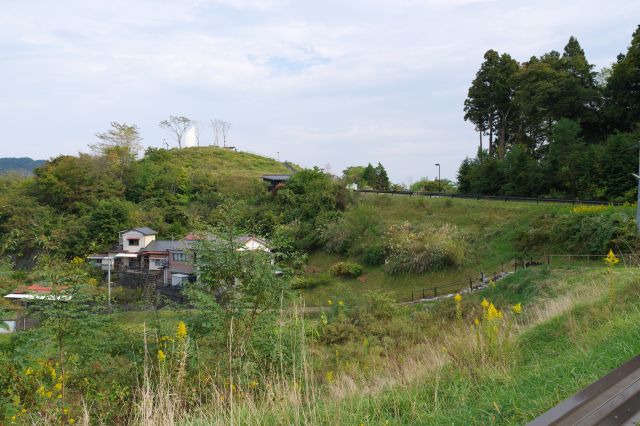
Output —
(327, 83)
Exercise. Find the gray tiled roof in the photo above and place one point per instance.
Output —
(165, 245)
(144, 230)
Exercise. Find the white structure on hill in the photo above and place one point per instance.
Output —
(191, 137)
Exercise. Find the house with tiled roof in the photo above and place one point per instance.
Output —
(170, 262)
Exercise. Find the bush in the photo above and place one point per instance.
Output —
(374, 254)
(584, 230)
(353, 232)
(346, 269)
(308, 282)
(411, 251)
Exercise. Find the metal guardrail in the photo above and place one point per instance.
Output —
(612, 400)
(493, 197)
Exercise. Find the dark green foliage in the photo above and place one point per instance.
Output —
(306, 282)
(559, 126)
(374, 254)
(622, 91)
(346, 269)
(368, 177)
(585, 231)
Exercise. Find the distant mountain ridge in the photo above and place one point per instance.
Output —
(23, 165)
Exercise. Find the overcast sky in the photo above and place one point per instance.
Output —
(321, 82)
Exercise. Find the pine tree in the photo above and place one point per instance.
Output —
(382, 180)
(623, 88)
(369, 175)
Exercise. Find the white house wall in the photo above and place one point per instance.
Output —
(144, 240)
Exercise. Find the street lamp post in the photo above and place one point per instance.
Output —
(439, 187)
(637, 176)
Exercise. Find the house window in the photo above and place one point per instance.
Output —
(133, 241)
(180, 257)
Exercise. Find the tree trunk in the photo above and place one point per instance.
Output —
(501, 141)
(480, 132)
(491, 135)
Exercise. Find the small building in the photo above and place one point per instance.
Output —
(274, 180)
(22, 295)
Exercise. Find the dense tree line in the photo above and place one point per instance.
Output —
(82, 202)
(552, 126)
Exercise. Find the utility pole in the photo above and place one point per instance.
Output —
(110, 259)
(439, 187)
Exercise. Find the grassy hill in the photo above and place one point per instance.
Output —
(231, 171)
(496, 233)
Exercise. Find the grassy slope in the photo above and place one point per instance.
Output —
(235, 171)
(554, 358)
(493, 227)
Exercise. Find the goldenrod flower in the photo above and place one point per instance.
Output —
(181, 332)
(253, 384)
(611, 259)
(493, 313)
(161, 355)
(476, 321)
(341, 303)
(28, 371)
(517, 308)
(329, 376)
(329, 302)
(457, 298)
(58, 386)
(485, 303)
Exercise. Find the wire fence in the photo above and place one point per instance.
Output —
(482, 279)
(475, 282)
(536, 200)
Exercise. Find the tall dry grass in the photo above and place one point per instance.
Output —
(297, 397)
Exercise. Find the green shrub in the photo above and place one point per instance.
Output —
(346, 269)
(374, 255)
(412, 251)
(354, 231)
(583, 230)
(308, 282)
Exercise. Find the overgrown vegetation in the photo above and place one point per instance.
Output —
(555, 127)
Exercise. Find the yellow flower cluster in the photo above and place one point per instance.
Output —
(181, 331)
(517, 308)
(611, 259)
(457, 297)
(161, 355)
(329, 376)
(493, 313)
(582, 209)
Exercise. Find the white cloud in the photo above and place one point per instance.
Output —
(292, 76)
